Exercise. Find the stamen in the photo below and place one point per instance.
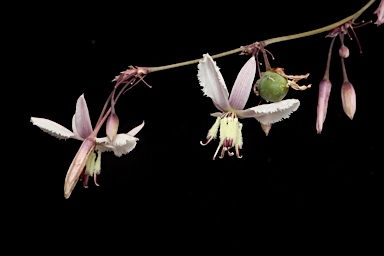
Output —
(357, 39)
(85, 182)
(208, 140)
(238, 152)
(217, 150)
(212, 133)
(223, 152)
(95, 179)
(81, 177)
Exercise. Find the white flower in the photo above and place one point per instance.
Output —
(85, 163)
(231, 106)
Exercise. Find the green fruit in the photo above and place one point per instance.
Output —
(272, 86)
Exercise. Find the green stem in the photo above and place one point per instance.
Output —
(190, 62)
(320, 30)
(269, 41)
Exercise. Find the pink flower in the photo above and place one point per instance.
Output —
(86, 163)
(231, 107)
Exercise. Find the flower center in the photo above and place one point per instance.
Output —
(230, 134)
(92, 168)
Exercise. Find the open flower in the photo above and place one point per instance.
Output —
(231, 106)
(86, 163)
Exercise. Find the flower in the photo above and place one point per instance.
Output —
(86, 163)
(380, 13)
(231, 106)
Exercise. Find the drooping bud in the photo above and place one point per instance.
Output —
(344, 51)
(266, 128)
(272, 86)
(380, 13)
(348, 97)
(322, 103)
(112, 126)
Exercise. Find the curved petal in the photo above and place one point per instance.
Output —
(77, 165)
(122, 144)
(81, 122)
(272, 112)
(243, 85)
(213, 83)
(135, 130)
(53, 128)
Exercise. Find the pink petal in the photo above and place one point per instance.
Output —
(81, 123)
(135, 130)
(243, 85)
(53, 128)
(213, 83)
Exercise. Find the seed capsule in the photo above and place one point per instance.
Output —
(272, 86)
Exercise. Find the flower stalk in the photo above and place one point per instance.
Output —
(248, 49)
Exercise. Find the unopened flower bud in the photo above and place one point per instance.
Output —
(322, 103)
(266, 128)
(112, 126)
(344, 51)
(272, 86)
(348, 97)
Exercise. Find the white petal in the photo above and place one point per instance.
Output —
(53, 128)
(243, 85)
(135, 130)
(81, 122)
(213, 83)
(272, 112)
(122, 144)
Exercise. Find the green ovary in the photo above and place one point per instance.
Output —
(272, 86)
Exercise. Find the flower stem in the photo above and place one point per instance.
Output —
(320, 30)
(270, 41)
(326, 74)
(190, 62)
(345, 77)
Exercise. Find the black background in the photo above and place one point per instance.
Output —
(292, 188)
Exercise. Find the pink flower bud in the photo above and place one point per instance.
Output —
(380, 13)
(112, 126)
(348, 97)
(344, 51)
(322, 103)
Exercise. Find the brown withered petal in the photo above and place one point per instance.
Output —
(322, 103)
(348, 97)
